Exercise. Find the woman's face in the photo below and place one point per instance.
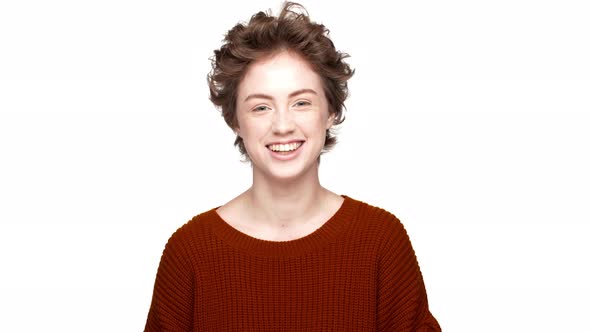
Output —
(283, 116)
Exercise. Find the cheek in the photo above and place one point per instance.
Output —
(252, 130)
(313, 122)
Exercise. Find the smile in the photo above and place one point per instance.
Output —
(285, 147)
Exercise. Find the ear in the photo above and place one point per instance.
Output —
(236, 128)
(330, 121)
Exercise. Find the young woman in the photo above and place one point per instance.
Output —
(287, 254)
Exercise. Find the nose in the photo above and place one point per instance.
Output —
(283, 121)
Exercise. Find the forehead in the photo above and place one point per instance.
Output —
(279, 74)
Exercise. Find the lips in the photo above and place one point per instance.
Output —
(285, 147)
(285, 152)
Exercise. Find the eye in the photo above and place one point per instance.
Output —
(260, 108)
(302, 103)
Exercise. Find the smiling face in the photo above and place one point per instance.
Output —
(282, 115)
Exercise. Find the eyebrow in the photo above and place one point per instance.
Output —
(291, 95)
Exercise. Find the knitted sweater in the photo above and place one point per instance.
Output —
(357, 272)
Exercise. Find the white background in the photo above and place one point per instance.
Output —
(467, 119)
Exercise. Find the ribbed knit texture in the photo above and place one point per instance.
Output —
(357, 272)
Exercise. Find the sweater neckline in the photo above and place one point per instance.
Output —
(321, 237)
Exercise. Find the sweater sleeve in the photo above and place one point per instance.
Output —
(402, 304)
(172, 301)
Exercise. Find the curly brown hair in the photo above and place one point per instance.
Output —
(264, 35)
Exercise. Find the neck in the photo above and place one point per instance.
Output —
(286, 203)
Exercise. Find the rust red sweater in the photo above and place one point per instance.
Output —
(357, 272)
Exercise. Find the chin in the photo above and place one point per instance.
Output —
(288, 171)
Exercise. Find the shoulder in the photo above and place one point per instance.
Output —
(381, 222)
(193, 232)
(376, 216)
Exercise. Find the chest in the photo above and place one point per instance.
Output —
(313, 292)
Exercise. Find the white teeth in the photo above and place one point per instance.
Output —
(285, 147)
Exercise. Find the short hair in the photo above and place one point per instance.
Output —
(265, 35)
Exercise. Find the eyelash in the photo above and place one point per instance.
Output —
(257, 108)
(304, 103)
